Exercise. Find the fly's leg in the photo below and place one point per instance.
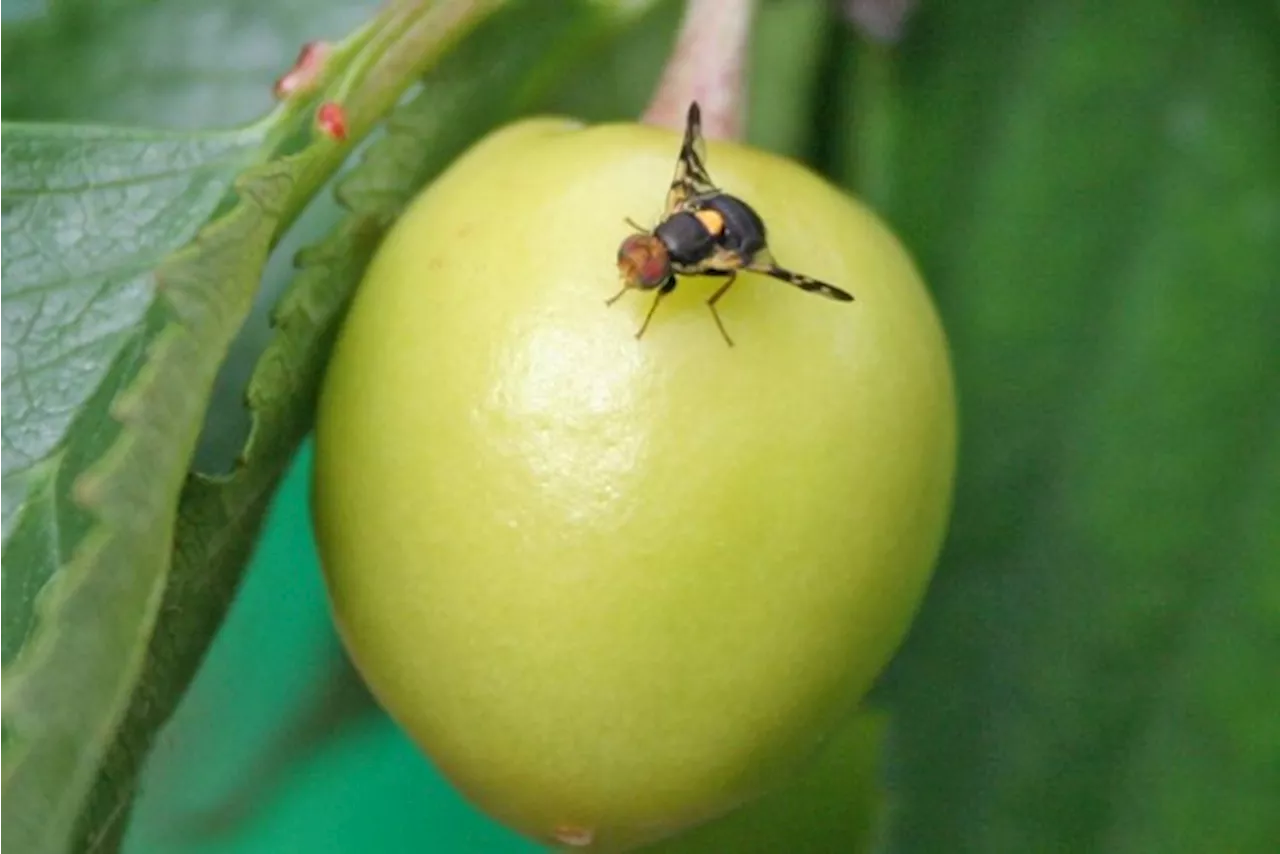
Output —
(667, 287)
(711, 304)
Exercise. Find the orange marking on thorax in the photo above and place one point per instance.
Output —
(711, 220)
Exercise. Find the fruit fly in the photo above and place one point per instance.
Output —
(703, 232)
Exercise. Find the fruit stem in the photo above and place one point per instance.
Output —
(708, 65)
(881, 21)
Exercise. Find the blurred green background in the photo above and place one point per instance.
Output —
(1092, 190)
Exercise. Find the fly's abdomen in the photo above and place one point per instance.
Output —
(743, 231)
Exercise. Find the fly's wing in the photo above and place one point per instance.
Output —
(724, 262)
(764, 263)
(691, 179)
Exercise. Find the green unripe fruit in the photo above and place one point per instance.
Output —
(615, 587)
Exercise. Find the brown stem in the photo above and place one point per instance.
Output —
(708, 65)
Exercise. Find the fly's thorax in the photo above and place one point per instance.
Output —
(686, 238)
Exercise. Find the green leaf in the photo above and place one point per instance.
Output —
(1094, 194)
(95, 321)
(102, 231)
(162, 63)
(157, 62)
(503, 69)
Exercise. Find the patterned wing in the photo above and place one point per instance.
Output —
(691, 179)
(763, 263)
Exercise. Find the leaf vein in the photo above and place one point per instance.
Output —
(45, 191)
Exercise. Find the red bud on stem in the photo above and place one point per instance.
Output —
(332, 120)
(306, 68)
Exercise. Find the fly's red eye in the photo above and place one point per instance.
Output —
(643, 260)
(654, 269)
(631, 249)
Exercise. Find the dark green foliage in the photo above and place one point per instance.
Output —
(1095, 198)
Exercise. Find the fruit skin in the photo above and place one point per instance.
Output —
(624, 585)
